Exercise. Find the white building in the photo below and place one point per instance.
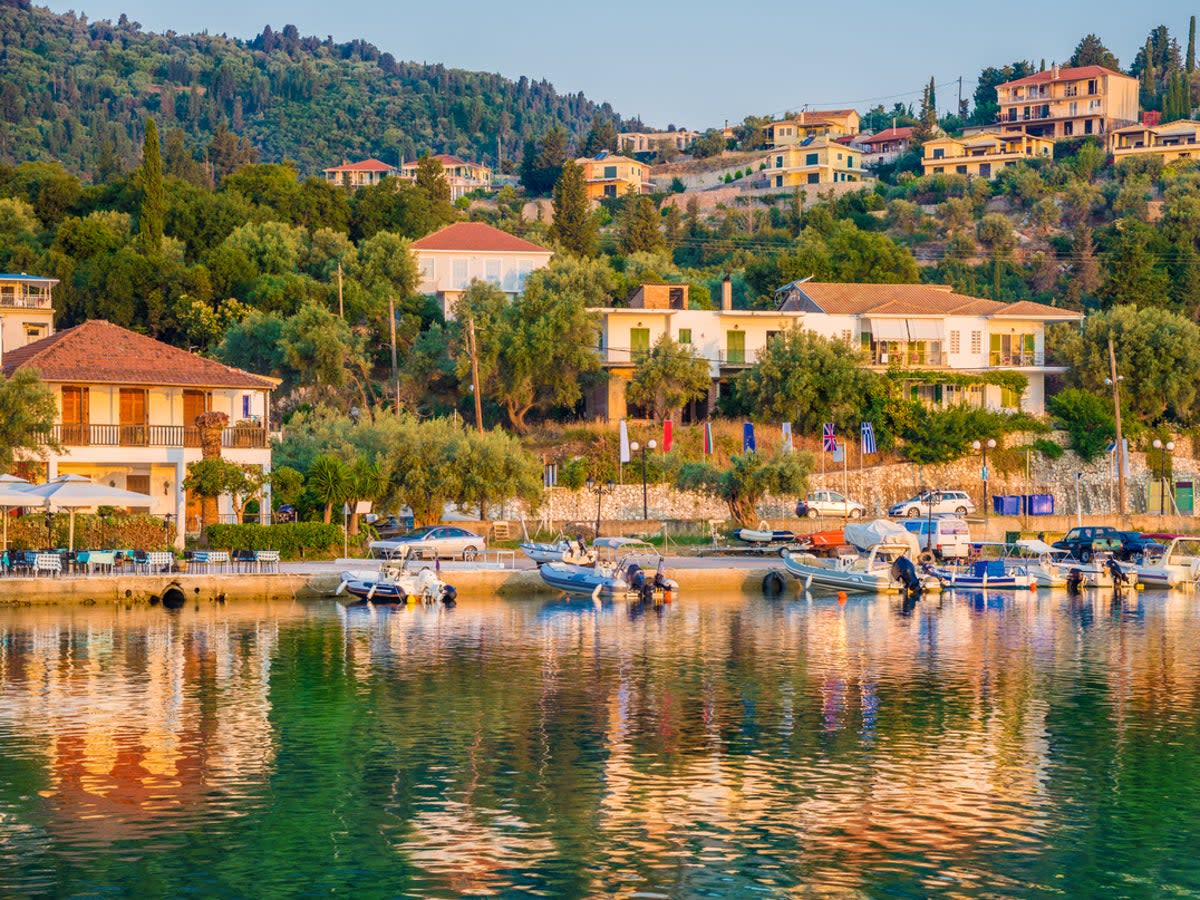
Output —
(898, 326)
(451, 258)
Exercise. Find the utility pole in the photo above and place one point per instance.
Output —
(395, 366)
(341, 306)
(474, 373)
(1116, 388)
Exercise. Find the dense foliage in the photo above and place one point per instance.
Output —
(293, 540)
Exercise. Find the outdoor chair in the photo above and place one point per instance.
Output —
(160, 561)
(268, 560)
(50, 563)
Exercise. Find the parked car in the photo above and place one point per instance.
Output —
(933, 502)
(829, 503)
(946, 537)
(1086, 541)
(1135, 546)
(434, 541)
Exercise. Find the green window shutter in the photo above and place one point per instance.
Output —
(685, 335)
(735, 342)
(639, 341)
(994, 341)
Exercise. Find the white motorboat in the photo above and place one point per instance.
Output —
(1177, 566)
(395, 582)
(870, 571)
(1037, 559)
(622, 571)
(989, 574)
(564, 549)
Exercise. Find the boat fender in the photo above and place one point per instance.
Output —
(371, 591)
(340, 589)
(773, 584)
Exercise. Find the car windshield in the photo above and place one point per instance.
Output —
(421, 532)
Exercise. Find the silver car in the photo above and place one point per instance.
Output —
(934, 502)
(434, 541)
(829, 503)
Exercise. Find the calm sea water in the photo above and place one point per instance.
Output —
(722, 746)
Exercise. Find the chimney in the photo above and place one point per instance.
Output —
(726, 294)
(1054, 72)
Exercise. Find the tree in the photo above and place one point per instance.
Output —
(711, 143)
(431, 181)
(287, 484)
(995, 231)
(214, 477)
(329, 481)
(1091, 51)
(638, 227)
(935, 436)
(574, 227)
(492, 466)
(1132, 273)
(601, 136)
(1190, 62)
(1087, 418)
(806, 379)
(386, 269)
(669, 376)
(154, 205)
(28, 411)
(322, 351)
(542, 163)
(749, 478)
(986, 107)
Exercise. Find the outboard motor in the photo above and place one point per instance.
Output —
(905, 572)
(1119, 576)
(1075, 581)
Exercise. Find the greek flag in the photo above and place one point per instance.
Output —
(868, 438)
(828, 441)
(787, 437)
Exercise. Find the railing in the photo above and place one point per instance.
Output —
(733, 357)
(25, 299)
(1017, 359)
(238, 437)
(903, 359)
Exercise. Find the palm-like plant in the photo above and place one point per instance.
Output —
(329, 479)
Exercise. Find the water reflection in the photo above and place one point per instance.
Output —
(970, 744)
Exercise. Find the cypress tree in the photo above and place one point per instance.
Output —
(574, 226)
(154, 202)
(638, 229)
(1191, 50)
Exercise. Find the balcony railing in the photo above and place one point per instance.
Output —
(24, 299)
(734, 357)
(1017, 359)
(240, 437)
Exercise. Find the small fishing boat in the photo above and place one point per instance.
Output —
(1176, 566)
(761, 536)
(564, 549)
(394, 582)
(1037, 559)
(989, 574)
(871, 571)
(625, 568)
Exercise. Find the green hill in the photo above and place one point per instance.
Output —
(78, 91)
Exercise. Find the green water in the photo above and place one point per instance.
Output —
(722, 746)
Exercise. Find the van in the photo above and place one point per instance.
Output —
(949, 537)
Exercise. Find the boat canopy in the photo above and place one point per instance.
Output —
(866, 535)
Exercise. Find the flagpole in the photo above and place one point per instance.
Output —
(846, 473)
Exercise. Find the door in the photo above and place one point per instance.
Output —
(75, 416)
(639, 342)
(735, 342)
(139, 484)
(193, 512)
(195, 403)
(133, 417)
(1185, 497)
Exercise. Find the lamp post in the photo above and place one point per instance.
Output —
(1163, 450)
(984, 447)
(599, 489)
(635, 447)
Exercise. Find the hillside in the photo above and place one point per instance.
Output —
(77, 91)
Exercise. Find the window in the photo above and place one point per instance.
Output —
(955, 344)
(1087, 126)
(812, 159)
(778, 181)
(610, 190)
(961, 170)
(524, 267)
(428, 269)
(639, 341)
(1009, 399)
(461, 272)
(245, 406)
(985, 169)
(685, 335)
(976, 341)
(75, 416)
(850, 161)
(939, 152)
(938, 170)
(779, 162)
(814, 178)
(1092, 86)
(610, 171)
(492, 271)
(34, 332)
(735, 343)
(133, 429)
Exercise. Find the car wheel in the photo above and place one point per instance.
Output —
(962, 510)
(856, 513)
(469, 553)
(812, 514)
(912, 512)
(1085, 555)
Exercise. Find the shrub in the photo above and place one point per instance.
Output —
(291, 539)
(1048, 448)
(1087, 418)
(92, 532)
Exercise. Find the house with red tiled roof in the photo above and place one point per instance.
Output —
(463, 176)
(127, 408)
(829, 123)
(364, 173)
(923, 328)
(452, 257)
(1062, 103)
(884, 146)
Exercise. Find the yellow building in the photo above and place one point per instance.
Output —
(1173, 141)
(610, 176)
(1065, 103)
(366, 173)
(463, 176)
(823, 161)
(983, 154)
(818, 123)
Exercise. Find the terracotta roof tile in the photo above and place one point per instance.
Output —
(1063, 75)
(478, 237)
(99, 352)
(366, 165)
(914, 300)
(888, 134)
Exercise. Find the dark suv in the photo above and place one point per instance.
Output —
(1086, 541)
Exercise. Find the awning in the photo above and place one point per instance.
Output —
(888, 330)
(926, 329)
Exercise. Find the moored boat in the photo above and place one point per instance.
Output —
(870, 572)
(568, 550)
(1177, 566)
(621, 571)
(393, 582)
(989, 574)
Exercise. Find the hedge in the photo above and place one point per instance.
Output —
(92, 532)
(291, 539)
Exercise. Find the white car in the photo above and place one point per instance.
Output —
(933, 502)
(829, 503)
(946, 537)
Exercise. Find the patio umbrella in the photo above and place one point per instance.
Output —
(72, 492)
(12, 494)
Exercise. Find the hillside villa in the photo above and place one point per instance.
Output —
(366, 173)
(452, 257)
(1174, 141)
(608, 175)
(884, 146)
(983, 153)
(463, 177)
(901, 326)
(822, 161)
(810, 124)
(127, 405)
(1064, 103)
(653, 141)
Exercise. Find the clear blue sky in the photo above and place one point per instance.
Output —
(698, 63)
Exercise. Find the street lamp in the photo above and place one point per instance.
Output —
(600, 490)
(984, 447)
(635, 447)
(1163, 450)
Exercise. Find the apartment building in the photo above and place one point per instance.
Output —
(983, 154)
(820, 161)
(811, 124)
(1067, 103)
(609, 175)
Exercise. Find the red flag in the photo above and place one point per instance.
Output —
(666, 435)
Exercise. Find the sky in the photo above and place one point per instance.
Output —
(700, 63)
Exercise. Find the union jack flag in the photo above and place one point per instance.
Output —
(868, 438)
(828, 441)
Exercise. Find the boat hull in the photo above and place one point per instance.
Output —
(870, 582)
(584, 581)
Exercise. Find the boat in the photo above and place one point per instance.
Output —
(989, 574)
(1177, 566)
(394, 582)
(563, 549)
(870, 571)
(621, 571)
(760, 536)
(1042, 563)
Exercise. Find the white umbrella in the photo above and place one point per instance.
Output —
(72, 492)
(12, 494)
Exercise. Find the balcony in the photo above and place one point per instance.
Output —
(737, 357)
(1016, 360)
(22, 297)
(912, 358)
(238, 437)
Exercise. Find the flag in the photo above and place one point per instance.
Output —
(828, 441)
(839, 453)
(625, 457)
(708, 439)
(868, 438)
(787, 437)
(667, 435)
(748, 437)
